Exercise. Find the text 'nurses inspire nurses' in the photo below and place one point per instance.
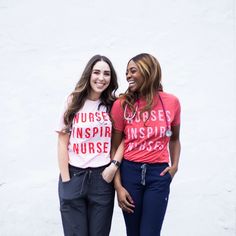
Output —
(99, 128)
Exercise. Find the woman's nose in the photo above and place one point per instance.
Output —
(128, 75)
(101, 77)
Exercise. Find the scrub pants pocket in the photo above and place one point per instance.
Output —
(170, 177)
(71, 189)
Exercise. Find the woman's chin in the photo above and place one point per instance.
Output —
(132, 88)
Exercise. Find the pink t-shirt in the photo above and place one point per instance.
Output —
(146, 141)
(90, 138)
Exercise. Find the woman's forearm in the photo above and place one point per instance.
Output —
(174, 147)
(63, 158)
(119, 152)
(117, 180)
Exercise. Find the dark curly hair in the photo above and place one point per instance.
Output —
(150, 69)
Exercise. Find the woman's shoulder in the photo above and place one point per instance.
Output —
(118, 104)
(119, 101)
(169, 96)
(69, 98)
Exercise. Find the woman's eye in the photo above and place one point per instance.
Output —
(107, 74)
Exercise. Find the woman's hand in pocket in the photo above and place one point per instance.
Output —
(172, 170)
(109, 173)
(64, 180)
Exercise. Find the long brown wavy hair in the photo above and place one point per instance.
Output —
(83, 88)
(150, 69)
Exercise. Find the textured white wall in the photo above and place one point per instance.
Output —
(44, 46)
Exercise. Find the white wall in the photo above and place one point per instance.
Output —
(44, 45)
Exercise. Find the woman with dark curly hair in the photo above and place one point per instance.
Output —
(147, 119)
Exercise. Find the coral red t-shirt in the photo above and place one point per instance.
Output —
(145, 139)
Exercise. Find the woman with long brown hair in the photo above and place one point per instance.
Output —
(84, 142)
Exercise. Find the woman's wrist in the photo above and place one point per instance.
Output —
(117, 184)
(174, 166)
(118, 187)
(116, 163)
(65, 177)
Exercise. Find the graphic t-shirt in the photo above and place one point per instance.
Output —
(90, 138)
(145, 139)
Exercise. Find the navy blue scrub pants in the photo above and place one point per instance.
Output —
(86, 203)
(150, 193)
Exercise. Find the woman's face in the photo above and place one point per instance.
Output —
(100, 79)
(134, 77)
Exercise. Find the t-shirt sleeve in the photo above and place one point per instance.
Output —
(176, 120)
(61, 125)
(117, 115)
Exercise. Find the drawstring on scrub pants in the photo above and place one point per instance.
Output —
(85, 173)
(143, 174)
